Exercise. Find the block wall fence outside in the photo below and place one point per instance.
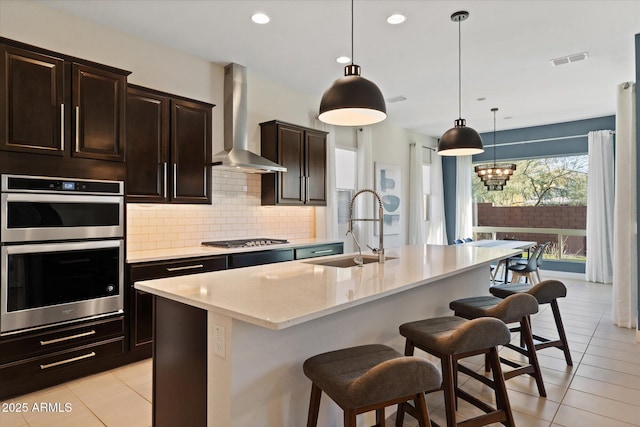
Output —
(235, 213)
(561, 217)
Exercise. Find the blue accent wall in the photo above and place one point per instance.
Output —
(560, 139)
(449, 169)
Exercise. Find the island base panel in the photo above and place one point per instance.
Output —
(179, 364)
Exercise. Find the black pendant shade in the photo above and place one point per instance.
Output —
(352, 101)
(460, 141)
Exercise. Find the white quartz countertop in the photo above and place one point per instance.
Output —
(197, 251)
(277, 296)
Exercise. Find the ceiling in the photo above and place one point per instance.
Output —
(506, 51)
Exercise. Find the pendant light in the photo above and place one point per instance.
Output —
(352, 100)
(495, 176)
(460, 140)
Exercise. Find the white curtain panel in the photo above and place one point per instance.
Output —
(625, 233)
(600, 200)
(327, 216)
(416, 190)
(464, 202)
(436, 226)
(364, 207)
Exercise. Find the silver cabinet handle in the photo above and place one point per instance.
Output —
(164, 165)
(204, 188)
(186, 267)
(323, 251)
(306, 190)
(62, 126)
(63, 362)
(70, 337)
(175, 179)
(77, 128)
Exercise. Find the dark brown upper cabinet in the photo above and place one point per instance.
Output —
(303, 151)
(53, 104)
(168, 148)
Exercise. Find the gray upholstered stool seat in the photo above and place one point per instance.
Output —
(453, 338)
(545, 292)
(514, 308)
(370, 377)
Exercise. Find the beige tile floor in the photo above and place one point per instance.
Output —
(602, 389)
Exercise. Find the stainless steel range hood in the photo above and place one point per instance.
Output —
(236, 155)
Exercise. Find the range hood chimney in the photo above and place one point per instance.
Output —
(236, 155)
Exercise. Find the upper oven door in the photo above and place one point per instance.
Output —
(29, 217)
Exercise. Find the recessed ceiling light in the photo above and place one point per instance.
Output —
(260, 18)
(481, 99)
(396, 18)
(343, 59)
(508, 117)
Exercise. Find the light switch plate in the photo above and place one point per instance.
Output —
(219, 341)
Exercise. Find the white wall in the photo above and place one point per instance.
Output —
(168, 70)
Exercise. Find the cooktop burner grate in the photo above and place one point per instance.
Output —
(244, 243)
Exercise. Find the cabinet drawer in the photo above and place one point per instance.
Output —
(63, 338)
(320, 250)
(60, 360)
(261, 257)
(162, 269)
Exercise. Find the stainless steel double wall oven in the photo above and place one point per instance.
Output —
(62, 250)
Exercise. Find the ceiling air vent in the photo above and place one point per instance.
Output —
(398, 98)
(570, 58)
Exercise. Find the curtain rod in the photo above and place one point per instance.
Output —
(544, 140)
(423, 146)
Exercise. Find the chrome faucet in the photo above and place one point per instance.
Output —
(380, 249)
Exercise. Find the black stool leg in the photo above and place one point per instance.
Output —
(448, 386)
(380, 418)
(314, 406)
(563, 337)
(349, 418)
(525, 331)
(502, 398)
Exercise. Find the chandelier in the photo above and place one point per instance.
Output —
(495, 176)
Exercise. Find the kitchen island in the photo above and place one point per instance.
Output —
(229, 345)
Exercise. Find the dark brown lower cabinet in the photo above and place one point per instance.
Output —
(40, 359)
(179, 365)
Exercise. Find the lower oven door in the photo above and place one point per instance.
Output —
(44, 284)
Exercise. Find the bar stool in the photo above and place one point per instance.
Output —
(546, 292)
(453, 338)
(513, 309)
(370, 377)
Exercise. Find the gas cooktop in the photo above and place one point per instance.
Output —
(244, 243)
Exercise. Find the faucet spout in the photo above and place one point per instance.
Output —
(380, 249)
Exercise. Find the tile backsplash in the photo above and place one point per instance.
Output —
(235, 213)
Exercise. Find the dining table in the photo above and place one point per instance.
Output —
(525, 245)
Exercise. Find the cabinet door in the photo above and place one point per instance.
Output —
(316, 168)
(142, 319)
(147, 146)
(291, 156)
(190, 152)
(32, 110)
(98, 116)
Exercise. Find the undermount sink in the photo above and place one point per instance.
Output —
(347, 261)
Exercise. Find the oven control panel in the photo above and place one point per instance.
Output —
(60, 185)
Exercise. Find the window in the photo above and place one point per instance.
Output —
(346, 178)
(426, 188)
(544, 193)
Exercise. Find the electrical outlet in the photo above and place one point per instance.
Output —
(219, 341)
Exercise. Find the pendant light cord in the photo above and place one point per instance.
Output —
(352, 62)
(459, 69)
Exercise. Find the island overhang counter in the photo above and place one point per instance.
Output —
(229, 345)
